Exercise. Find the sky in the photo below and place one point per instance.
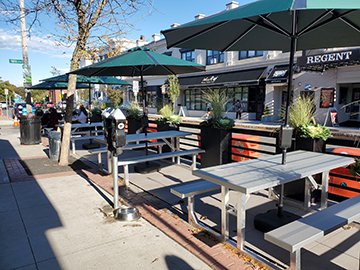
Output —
(43, 52)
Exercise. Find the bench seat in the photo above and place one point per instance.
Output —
(127, 147)
(189, 190)
(299, 233)
(126, 162)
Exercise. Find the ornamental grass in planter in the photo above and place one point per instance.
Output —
(134, 118)
(216, 131)
(168, 121)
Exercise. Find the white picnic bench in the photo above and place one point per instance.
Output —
(297, 234)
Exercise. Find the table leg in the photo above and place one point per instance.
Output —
(307, 194)
(324, 189)
(225, 195)
(241, 219)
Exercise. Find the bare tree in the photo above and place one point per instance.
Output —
(81, 24)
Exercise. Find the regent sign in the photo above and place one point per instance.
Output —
(328, 58)
(211, 79)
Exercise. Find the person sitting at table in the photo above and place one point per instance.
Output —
(54, 118)
(81, 117)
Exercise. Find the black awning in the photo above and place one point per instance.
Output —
(278, 74)
(234, 78)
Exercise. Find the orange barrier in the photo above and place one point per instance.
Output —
(152, 128)
(247, 141)
(341, 182)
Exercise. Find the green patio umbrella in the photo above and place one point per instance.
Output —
(85, 79)
(141, 62)
(56, 85)
(287, 25)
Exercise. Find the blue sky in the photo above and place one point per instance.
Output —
(43, 53)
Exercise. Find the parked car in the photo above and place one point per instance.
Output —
(20, 109)
(3, 104)
(49, 104)
(37, 104)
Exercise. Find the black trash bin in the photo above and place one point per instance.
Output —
(30, 130)
(54, 145)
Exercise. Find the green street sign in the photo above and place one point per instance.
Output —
(15, 61)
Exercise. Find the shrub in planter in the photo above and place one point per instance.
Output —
(216, 131)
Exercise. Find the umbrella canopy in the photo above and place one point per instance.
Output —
(85, 79)
(56, 85)
(287, 25)
(268, 25)
(140, 62)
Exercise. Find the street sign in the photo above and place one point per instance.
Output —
(15, 61)
(6, 91)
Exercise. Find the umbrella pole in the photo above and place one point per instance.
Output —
(144, 120)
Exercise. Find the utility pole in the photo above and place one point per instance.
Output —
(25, 66)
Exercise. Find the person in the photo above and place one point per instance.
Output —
(208, 110)
(54, 118)
(238, 109)
(81, 117)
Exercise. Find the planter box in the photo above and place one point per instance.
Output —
(134, 126)
(216, 144)
(308, 144)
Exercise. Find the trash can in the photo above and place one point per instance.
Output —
(30, 130)
(54, 145)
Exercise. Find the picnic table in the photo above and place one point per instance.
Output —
(265, 173)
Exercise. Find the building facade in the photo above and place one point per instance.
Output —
(259, 79)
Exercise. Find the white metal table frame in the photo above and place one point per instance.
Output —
(265, 173)
(94, 125)
(141, 137)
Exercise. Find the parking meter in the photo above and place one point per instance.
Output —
(107, 122)
(117, 135)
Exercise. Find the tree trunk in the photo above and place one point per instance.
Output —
(65, 143)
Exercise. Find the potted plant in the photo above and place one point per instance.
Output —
(134, 118)
(216, 131)
(308, 136)
(168, 121)
(266, 117)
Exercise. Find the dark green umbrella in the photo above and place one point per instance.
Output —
(85, 79)
(287, 25)
(140, 62)
(56, 85)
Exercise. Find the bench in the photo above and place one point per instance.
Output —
(189, 191)
(127, 147)
(299, 233)
(134, 160)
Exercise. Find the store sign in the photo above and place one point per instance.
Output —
(135, 87)
(328, 58)
(209, 80)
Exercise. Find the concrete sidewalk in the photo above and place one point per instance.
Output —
(56, 221)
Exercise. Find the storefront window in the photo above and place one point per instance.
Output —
(251, 97)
